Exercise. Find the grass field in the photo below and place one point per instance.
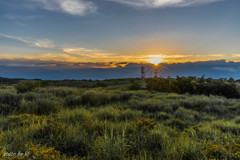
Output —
(107, 120)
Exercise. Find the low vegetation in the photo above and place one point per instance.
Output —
(194, 85)
(120, 121)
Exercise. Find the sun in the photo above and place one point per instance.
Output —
(155, 61)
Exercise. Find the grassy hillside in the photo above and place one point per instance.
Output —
(110, 121)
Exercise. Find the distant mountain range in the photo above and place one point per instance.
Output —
(213, 69)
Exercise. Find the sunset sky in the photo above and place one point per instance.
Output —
(119, 31)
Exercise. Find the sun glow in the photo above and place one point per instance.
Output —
(155, 61)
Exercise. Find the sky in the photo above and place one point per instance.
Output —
(115, 33)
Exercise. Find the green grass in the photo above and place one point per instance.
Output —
(116, 123)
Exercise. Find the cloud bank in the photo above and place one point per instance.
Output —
(163, 3)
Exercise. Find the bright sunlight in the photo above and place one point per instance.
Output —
(155, 61)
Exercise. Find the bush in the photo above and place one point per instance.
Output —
(27, 86)
(24, 120)
(162, 116)
(146, 124)
(36, 152)
(94, 98)
(120, 96)
(176, 123)
(112, 113)
(9, 102)
(73, 101)
(237, 120)
(110, 148)
(214, 151)
(152, 105)
(39, 106)
(186, 115)
(77, 115)
(134, 85)
(60, 92)
(193, 85)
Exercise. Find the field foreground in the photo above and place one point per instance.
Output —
(113, 123)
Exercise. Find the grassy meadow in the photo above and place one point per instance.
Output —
(117, 120)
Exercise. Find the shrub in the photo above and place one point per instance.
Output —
(101, 84)
(94, 98)
(77, 115)
(237, 120)
(9, 102)
(193, 85)
(232, 151)
(32, 152)
(26, 86)
(39, 106)
(74, 143)
(152, 105)
(135, 85)
(110, 147)
(205, 104)
(227, 127)
(146, 124)
(155, 144)
(162, 116)
(24, 120)
(120, 96)
(176, 123)
(112, 113)
(72, 101)
(186, 115)
(60, 92)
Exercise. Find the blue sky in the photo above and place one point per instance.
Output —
(104, 31)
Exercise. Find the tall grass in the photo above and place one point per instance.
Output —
(117, 124)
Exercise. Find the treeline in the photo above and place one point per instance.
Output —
(194, 85)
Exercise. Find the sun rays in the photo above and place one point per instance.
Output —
(155, 61)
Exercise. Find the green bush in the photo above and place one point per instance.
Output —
(114, 114)
(237, 120)
(186, 115)
(152, 105)
(193, 85)
(27, 86)
(39, 106)
(72, 101)
(110, 147)
(60, 92)
(9, 102)
(135, 85)
(162, 116)
(94, 98)
(176, 123)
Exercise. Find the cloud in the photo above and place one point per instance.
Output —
(163, 3)
(236, 55)
(22, 17)
(229, 69)
(45, 43)
(72, 7)
(56, 61)
(216, 55)
(95, 55)
(87, 53)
